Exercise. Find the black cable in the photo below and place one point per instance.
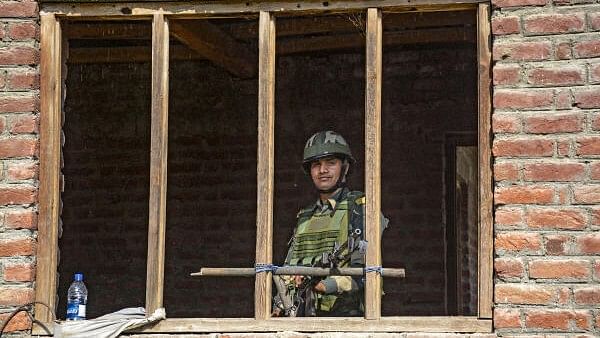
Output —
(26, 308)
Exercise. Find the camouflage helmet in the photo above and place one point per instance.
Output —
(323, 144)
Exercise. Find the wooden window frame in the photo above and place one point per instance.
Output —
(53, 14)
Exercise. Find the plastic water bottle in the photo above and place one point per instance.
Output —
(77, 298)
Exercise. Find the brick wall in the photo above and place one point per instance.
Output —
(546, 80)
(546, 147)
(19, 112)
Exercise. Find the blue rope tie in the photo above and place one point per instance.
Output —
(377, 269)
(264, 267)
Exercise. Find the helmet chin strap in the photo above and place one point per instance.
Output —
(341, 182)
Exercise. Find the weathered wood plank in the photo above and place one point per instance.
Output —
(158, 164)
(127, 54)
(485, 164)
(50, 171)
(214, 44)
(224, 8)
(373, 161)
(307, 324)
(266, 163)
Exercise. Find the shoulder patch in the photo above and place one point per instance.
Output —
(360, 200)
(304, 213)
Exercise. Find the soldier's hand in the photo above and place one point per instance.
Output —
(298, 280)
(320, 287)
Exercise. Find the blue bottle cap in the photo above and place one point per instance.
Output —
(78, 277)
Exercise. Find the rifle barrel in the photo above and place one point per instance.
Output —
(296, 270)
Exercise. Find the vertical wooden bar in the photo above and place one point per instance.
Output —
(485, 168)
(158, 163)
(373, 161)
(266, 162)
(50, 148)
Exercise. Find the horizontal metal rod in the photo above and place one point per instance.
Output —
(295, 270)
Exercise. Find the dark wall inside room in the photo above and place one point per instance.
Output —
(428, 90)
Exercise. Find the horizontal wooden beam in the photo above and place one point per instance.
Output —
(284, 47)
(349, 22)
(126, 54)
(307, 324)
(210, 42)
(356, 41)
(227, 8)
(108, 30)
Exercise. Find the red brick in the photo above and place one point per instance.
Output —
(587, 194)
(20, 322)
(23, 31)
(564, 296)
(553, 123)
(557, 244)
(564, 99)
(24, 124)
(589, 295)
(524, 195)
(2, 124)
(522, 51)
(507, 216)
(23, 80)
(588, 145)
(19, 56)
(587, 98)
(587, 49)
(509, 268)
(21, 219)
(18, 147)
(17, 9)
(524, 294)
(17, 195)
(563, 51)
(563, 148)
(595, 72)
(595, 171)
(563, 195)
(506, 123)
(556, 76)
(17, 247)
(559, 269)
(550, 218)
(594, 21)
(506, 25)
(506, 74)
(517, 241)
(597, 270)
(554, 23)
(548, 319)
(523, 99)
(596, 122)
(518, 3)
(583, 319)
(506, 171)
(22, 171)
(554, 172)
(19, 272)
(589, 244)
(507, 318)
(9, 104)
(12, 296)
(523, 147)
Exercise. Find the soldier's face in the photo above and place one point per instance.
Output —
(326, 172)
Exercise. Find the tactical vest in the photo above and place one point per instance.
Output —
(317, 233)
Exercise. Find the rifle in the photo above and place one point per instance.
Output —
(301, 301)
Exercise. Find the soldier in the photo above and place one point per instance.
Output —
(328, 222)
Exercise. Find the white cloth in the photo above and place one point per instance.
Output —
(107, 326)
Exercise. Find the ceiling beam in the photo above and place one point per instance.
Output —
(284, 47)
(217, 46)
(107, 30)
